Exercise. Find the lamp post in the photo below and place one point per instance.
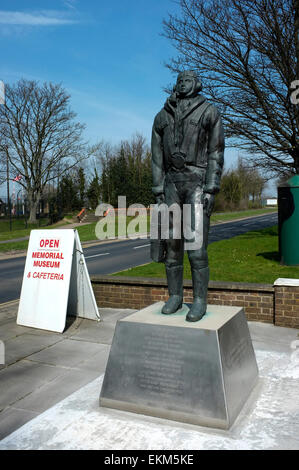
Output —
(18, 202)
(2, 102)
(8, 197)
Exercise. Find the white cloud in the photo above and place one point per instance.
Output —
(70, 4)
(33, 19)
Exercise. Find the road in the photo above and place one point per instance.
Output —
(111, 257)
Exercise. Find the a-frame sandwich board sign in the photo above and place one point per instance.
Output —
(82, 301)
(55, 282)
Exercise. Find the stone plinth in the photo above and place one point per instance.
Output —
(200, 373)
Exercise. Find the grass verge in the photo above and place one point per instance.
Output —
(18, 228)
(13, 247)
(227, 216)
(19, 231)
(251, 257)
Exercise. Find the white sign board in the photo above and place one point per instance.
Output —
(272, 202)
(55, 281)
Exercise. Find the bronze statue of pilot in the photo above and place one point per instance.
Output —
(187, 162)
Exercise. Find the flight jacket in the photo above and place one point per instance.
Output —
(192, 129)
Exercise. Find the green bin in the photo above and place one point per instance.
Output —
(288, 221)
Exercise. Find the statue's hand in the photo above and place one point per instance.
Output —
(160, 199)
(208, 203)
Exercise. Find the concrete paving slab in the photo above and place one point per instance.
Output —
(8, 310)
(53, 392)
(96, 332)
(22, 378)
(12, 419)
(28, 382)
(266, 336)
(113, 314)
(98, 362)
(26, 344)
(10, 330)
(67, 353)
(38, 332)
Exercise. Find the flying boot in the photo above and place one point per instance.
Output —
(200, 280)
(174, 276)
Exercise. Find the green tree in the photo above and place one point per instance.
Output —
(146, 194)
(94, 191)
(68, 193)
(126, 171)
(81, 187)
(231, 188)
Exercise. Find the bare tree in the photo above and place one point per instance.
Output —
(252, 182)
(38, 136)
(247, 53)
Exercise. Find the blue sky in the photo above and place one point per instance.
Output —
(109, 55)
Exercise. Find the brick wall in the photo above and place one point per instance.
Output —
(287, 306)
(258, 300)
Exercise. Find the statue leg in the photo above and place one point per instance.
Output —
(200, 274)
(200, 281)
(175, 288)
(174, 259)
(174, 274)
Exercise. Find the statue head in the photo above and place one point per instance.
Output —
(188, 84)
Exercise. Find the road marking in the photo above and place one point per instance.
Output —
(94, 256)
(141, 246)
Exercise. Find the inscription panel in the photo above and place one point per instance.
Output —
(163, 361)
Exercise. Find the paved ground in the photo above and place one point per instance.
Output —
(41, 368)
(51, 382)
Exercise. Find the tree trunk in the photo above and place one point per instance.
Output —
(33, 204)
